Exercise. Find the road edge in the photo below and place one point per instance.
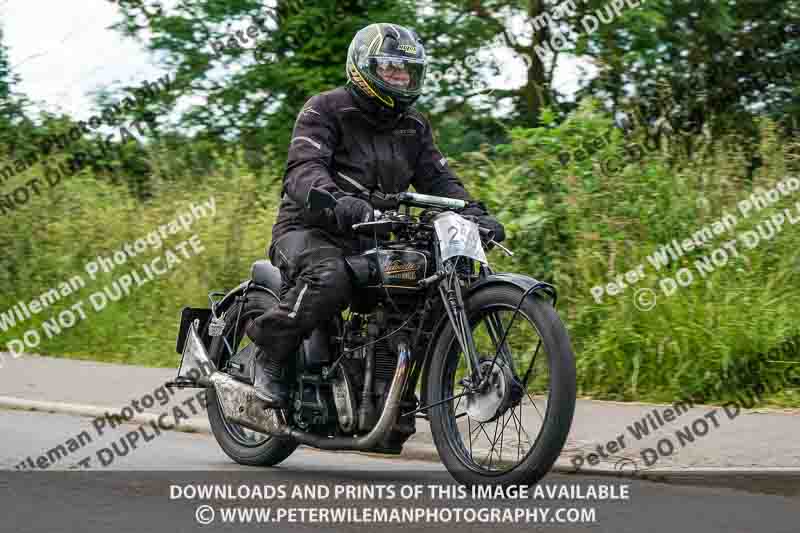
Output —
(419, 452)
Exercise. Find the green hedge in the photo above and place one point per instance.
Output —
(580, 203)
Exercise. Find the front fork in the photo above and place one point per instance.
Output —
(452, 297)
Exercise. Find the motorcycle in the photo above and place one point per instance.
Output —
(432, 333)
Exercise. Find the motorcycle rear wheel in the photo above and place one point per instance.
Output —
(244, 446)
(548, 393)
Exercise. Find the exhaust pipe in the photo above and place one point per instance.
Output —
(240, 404)
(384, 424)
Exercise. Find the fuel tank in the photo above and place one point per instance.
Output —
(400, 267)
(395, 269)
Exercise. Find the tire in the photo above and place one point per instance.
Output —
(557, 420)
(272, 450)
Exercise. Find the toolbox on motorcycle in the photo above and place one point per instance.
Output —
(188, 315)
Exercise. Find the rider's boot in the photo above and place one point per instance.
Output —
(269, 381)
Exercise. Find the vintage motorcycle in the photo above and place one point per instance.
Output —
(430, 320)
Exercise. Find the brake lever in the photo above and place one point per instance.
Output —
(508, 252)
(377, 216)
(487, 232)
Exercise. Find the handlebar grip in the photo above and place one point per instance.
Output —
(384, 202)
(425, 200)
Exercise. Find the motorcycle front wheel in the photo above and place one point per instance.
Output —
(512, 430)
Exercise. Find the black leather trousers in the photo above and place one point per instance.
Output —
(316, 286)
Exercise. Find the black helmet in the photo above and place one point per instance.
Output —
(386, 63)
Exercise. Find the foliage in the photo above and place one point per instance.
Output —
(725, 63)
(56, 235)
(252, 91)
(573, 220)
(707, 94)
(578, 222)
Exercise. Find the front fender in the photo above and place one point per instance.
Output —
(527, 284)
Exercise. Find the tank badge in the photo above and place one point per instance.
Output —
(400, 270)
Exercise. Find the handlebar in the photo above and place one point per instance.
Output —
(425, 200)
(319, 199)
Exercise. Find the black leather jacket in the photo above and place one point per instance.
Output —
(344, 143)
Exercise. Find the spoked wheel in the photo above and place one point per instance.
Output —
(508, 426)
(241, 444)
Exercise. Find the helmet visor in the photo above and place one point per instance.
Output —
(398, 74)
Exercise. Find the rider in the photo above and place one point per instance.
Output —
(361, 139)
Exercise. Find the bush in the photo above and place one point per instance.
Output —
(582, 203)
(54, 236)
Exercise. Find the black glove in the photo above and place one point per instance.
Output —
(485, 220)
(350, 210)
(475, 209)
(489, 222)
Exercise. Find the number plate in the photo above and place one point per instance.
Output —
(459, 237)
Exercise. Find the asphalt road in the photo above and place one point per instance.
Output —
(136, 492)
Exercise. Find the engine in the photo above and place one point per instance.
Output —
(352, 400)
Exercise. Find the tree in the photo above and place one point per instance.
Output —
(11, 105)
(6, 79)
(252, 66)
(697, 63)
(457, 32)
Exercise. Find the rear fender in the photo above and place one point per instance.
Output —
(269, 281)
(243, 287)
